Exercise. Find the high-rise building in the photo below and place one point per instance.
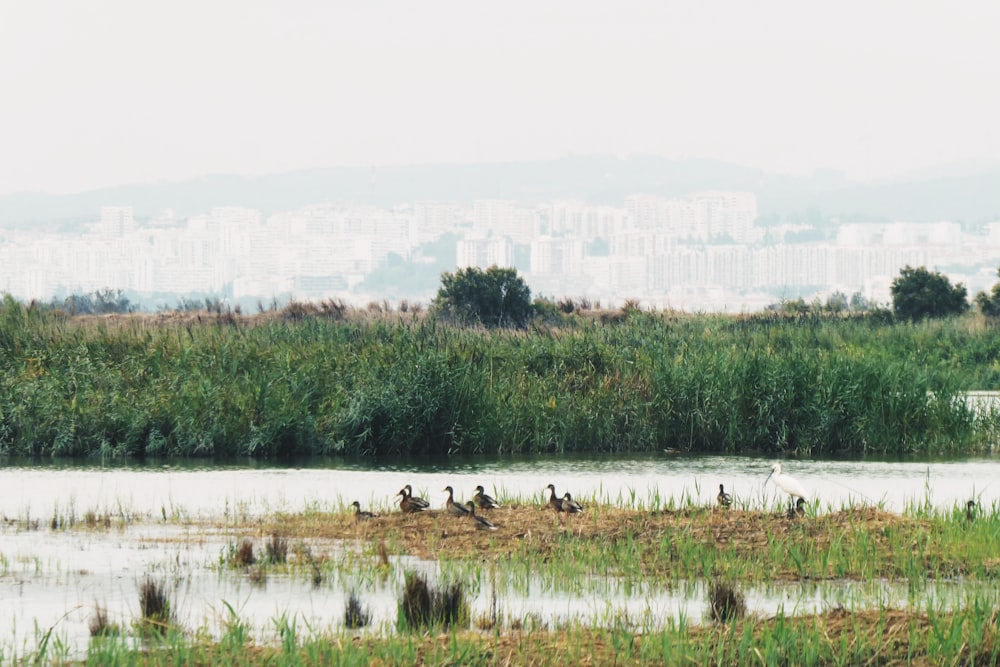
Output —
(484, 252)
(116, 221)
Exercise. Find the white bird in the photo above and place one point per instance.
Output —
(787, 483)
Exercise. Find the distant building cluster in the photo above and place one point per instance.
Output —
(703, 252)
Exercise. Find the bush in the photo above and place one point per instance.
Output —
(989, 304)
(918, 294)
(495, 297)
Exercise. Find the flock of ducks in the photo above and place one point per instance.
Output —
(410, 504)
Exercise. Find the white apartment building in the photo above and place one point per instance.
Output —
(701, 217)
(433, 219)
(556, 255)
(585, 221)
(484, 252)
(493, 215)
(116, 221)
(729, 214)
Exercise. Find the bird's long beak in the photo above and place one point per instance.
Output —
(768, 476)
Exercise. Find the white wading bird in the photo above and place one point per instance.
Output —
(787, 483)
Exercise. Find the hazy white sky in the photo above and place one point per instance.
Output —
(107, 92)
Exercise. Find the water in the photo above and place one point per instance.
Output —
(54, 579)
(39, 491)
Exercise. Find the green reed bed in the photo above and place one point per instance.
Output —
(403, 385)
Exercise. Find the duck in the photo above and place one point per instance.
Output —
(798, 510)
(360, 514)
(569, 505)
(456, 509)
(554, 502)
(482, 523)
(725, 500)
(484, 501)
(411, 503)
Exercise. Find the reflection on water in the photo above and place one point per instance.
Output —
(207, 490)
(56, 579)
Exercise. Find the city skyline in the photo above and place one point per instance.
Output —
(702, 252)
(113, 92)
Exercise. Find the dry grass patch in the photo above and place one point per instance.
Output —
(662, 541)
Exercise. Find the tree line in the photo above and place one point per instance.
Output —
(499, 298)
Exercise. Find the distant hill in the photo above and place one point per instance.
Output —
(970, 196)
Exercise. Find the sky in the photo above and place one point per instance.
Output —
(109, 92)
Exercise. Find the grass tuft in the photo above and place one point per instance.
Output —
(243, 556)
(727, 603)
(425, 607)
(355, 615)
(100, 625)
(154, 606)
(277, 549)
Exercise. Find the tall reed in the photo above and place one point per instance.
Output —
(210, 385)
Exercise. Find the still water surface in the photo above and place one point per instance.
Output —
(199, 490)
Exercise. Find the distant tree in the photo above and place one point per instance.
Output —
(495, 297)
(100, 302)
(836, 302)
(919, 293)
(860, 303)
(989, 304)
(793, 306)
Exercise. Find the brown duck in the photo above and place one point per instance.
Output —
(482, 523)
(569, 505)
(360, 514)
(455, 509)
(725, 500)
(484, 501)
(798, 510)
(411, 503)
(554, 501)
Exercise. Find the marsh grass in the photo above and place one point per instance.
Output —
(424, 606)
(725, 602)
(653, 548)
(277, 549)
(155, 615)
(242, 554)
(100, 624)
(837, 637)
(355, 614)
(94, 521)
(688, 542)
